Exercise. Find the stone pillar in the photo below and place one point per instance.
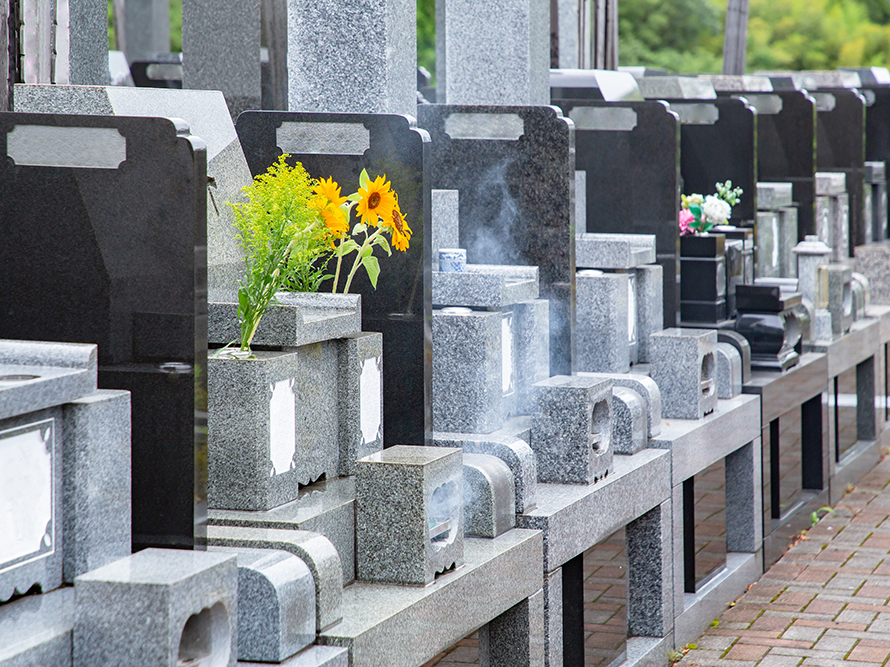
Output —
(650, 602)
(357, 56)
(221, 50)
(514, 65)
(146, 28)
(516, 637)
(7, 38)
(87, 41)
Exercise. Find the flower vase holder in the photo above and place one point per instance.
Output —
(703, 280)
(303, 407)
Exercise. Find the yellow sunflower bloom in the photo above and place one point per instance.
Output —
(335, 219)
(401, 232)
(376, 199)
(330, 190)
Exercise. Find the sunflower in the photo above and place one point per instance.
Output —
(330, 191)
(401, 232)
(375, 199)
(335, 219)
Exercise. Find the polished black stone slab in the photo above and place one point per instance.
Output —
(633, 177)
(516, 196)
(840, 146)
(401, 306)
(114, 253)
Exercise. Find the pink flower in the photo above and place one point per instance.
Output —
(685, 218)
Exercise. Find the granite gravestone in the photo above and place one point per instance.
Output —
(340, 146)
(637, 189)
(515, 170)
(105, 229)
(786, 136)
(146, 28)
(717, 139)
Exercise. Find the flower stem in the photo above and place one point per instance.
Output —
(339, 263)
(358, 257)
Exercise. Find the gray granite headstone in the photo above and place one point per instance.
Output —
(189, 599)
(603, 321)
(445, 209)
(147, 28)
(493, 52)
(352, 56)
(221, 50)
(408, 514)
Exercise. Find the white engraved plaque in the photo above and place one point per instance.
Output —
(80, 147)
(282, 426)
(370, 383)
(26, 493)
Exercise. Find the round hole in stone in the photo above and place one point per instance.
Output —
(444, 514)
(17, 378)
(601, 427)
(707, 374)
(205, 639)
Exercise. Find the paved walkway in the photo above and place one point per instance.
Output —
(825, 603)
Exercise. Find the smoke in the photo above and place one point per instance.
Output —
(492, 219)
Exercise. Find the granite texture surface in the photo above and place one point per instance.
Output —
(276, 604)
(272, 426)
(300, 319)
(553, 651)
(741, 345)
(676, 87)
(572, 429)
(37, 630)
(327, 508)
(685, 370)
(314, 656)
(515, 188)
(787, 239)
(744, 502)
(614, 251)
(830, 183)
(646, 388)
(811, 252)
(729, 370)
(208, 117)
(389, 626)
(825, 212)
(408, 514)
(650, 307)
(650, 580)
(445, 211)
(873, 261)
(211, 34)
(571, 516)
(629, 428)
(147, 27)
(515, 452)
(467, 371)
(602, 332)
(840, 229)
(696, 444)
(352, 57)
(516, 637)
(531, 324)
(489, 499)
(313, 549)
(87, 37)
(837, 278)
(96, 481)
(481, 290)
(768, 250)
(360, 398)
(31, 495)
(514, 67)
(772, 196)
(159, 606)
(36, 375)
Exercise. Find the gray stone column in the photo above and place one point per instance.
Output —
(516, 637)
(650, 604)
(744, 525)
(146, 28)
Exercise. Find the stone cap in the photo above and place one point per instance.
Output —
(745, 83)
(677, 88)
(158, 566)
(771, 196)
(300, 318)
(831, 183)
(594, 84)
(35, 375)
(764, 298)
(875, 172)
(486, 286)
(614, 251)
(410, 455)
(812, 245)
(871, 76)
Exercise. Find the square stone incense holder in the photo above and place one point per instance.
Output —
(408, 514)
(684, 367)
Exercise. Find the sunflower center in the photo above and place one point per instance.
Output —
(397, 221)
(374, 200)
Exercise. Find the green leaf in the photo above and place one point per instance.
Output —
(353, 197)
(368, 251)
(363, 178)
(359, 228)
(372, 266)
(383, 243)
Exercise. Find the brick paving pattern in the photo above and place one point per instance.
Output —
(824, 603)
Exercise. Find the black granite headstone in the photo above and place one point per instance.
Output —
(630, 153)
(340, 146)
(877, 120)
(840, 146)
(515, 169)
(104, 227)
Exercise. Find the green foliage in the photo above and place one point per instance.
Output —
(426, 35)
(687, 36)
(819, 513)
(279, 232)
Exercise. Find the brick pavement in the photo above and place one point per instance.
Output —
(824, 603)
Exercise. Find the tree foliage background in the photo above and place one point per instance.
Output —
(687, 35)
